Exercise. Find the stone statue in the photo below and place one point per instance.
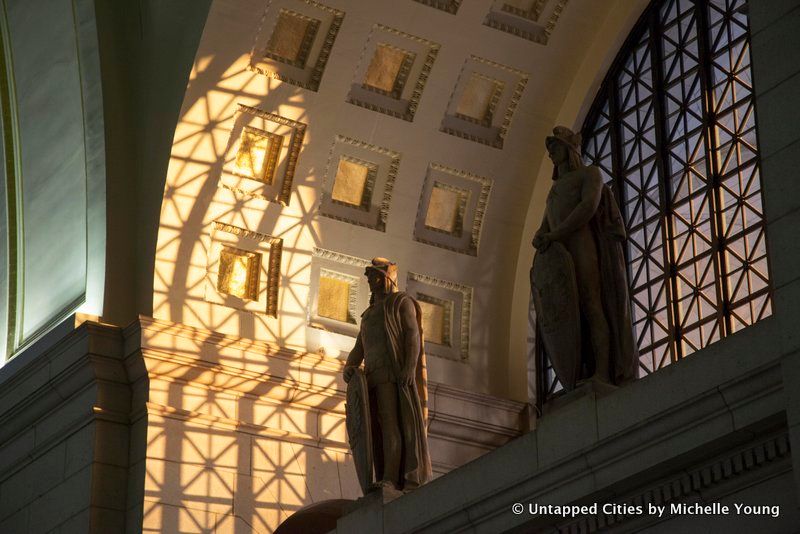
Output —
(391, 346)
(579, 273)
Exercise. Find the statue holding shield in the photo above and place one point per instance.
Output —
(387, 401)
(578, 279)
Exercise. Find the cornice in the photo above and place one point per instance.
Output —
(705, 439)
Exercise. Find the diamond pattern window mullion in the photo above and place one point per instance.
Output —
(712, 169)
(665, 190)
(697, 262)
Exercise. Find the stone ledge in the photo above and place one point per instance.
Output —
(28, 379)
(715, 477)
(458, 428)
(478, 496)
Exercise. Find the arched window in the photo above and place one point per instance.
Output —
(673, 129)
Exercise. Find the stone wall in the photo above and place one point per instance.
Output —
(64, 434)
(162, 427)
(775, 29)
(241, 434)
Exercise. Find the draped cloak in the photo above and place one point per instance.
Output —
(412, 403)
(609, 233)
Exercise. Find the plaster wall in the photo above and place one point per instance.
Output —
(197, 198)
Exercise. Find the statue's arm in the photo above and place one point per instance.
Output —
(354, 359)
(591, 192)
(544, 228)
(411, 336)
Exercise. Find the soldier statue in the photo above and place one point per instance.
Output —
(394, 411)
(580, 291)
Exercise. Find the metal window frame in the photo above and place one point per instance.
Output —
(651, 23)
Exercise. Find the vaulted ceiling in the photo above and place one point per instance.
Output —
(315, 136)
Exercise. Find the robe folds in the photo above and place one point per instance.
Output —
(412, 403)
(609, 233)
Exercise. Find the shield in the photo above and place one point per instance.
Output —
(359, 431)
(555, 298)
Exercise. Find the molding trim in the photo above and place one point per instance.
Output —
(448, 6)
(384, 179)
(532, 14)
(466, 307)
(491, 133)
(422, 232)
(273, 269)
(424, 49)
(339, 257)
(283, 190)
(691, 483)
(525, 24)
(314, 74)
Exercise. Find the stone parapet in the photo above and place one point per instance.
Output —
(728, 443)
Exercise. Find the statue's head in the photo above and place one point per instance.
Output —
(564, 146)
(381, 276)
